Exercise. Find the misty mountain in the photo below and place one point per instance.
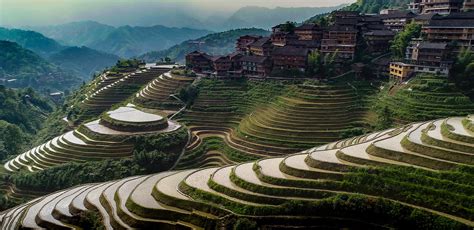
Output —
(262, 17)
(124, 41)
(31, 40)
(31, 70)
(83, 33)
(128, 41)
(215, 44)
(83, 60)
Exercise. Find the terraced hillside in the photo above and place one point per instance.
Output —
(219, 107)
(417, 176)
(157, 94)
(105, 138)
(425, 97)
(307, 116)
(253, 123)
(113, 88)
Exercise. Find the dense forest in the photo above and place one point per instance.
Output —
(374, 6)
(22, 114)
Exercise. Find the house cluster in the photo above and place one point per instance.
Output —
(440, 6)
(288, 47)
(447, 28)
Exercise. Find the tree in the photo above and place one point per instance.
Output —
(314, 63)
(288, 27)
(463, 70)
(402, 39)
(319, 64)
(11, 138)
(153, 161)
(188, 94)
(464, 65)
(329, 61)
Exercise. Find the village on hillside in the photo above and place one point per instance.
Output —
(347, 41)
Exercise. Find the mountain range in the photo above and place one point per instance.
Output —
(123, 41)
(31, 40)
(128, 41)
(31, 70)
(81, 61)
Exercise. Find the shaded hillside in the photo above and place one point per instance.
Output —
(374, 6)
(22, 113)
(215, 44)
(31, 70)
(31, 40)
(83, 61)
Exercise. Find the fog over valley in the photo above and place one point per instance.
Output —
(203, 14)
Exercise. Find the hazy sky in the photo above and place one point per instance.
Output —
(119, 12)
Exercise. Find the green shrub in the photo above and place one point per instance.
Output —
(245, 224)
(90, 220)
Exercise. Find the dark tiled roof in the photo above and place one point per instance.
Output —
(452, 23)
(260, 42)
(465, 19)
(460, 15)
(195, 53)
(234, 54)
(377, 27)
(218, 58)
(422, 17)
(198, 53)
(306, 43)
(431, 45)
(250, 36)
(380, 33)
(291, 36)
(398, 14)
(308, 26)
(256, 59)
(371, 18)
(346, 21)
(341, 28)
(290, 51)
